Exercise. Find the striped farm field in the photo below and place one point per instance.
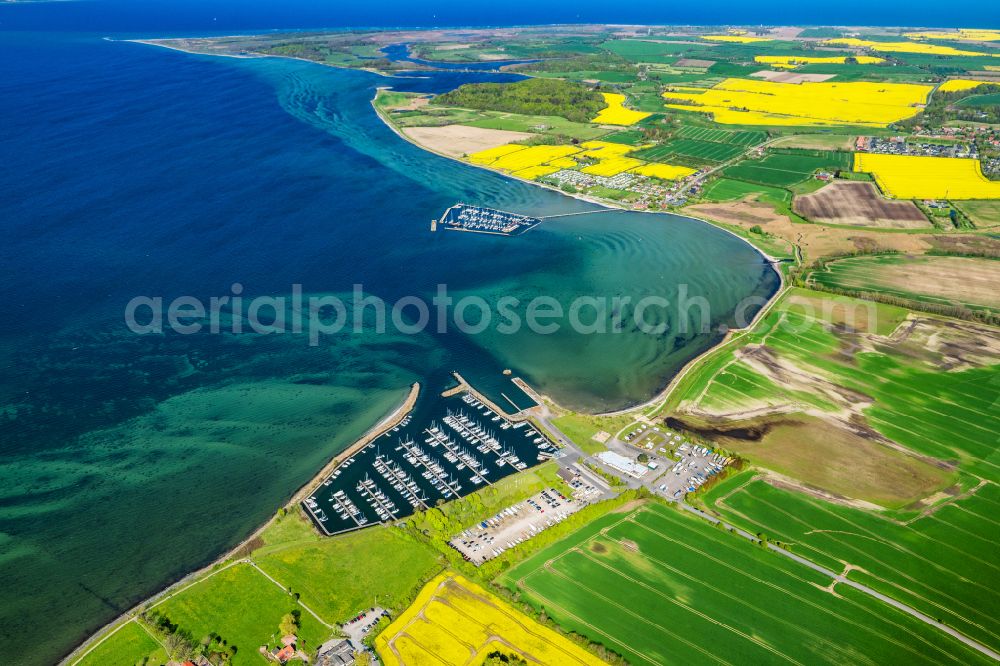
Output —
(941, 562)
(738, 137)
(660, 586)
(783, 168)
(968, 281)
(696, 148)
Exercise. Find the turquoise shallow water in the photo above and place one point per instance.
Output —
(128, 170)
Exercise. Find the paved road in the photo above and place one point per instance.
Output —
(856, 585)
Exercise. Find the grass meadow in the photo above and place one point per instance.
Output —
(243, 607)
(727, 189)
(340, 576)
(659, 586)
(128, 646)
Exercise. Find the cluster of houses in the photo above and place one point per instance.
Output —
(335, 652)
(651, 191)
(900, 145)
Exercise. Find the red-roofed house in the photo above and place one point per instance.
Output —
(285, 653)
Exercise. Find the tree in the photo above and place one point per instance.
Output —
(643, 458)
(289, 625)
(178, 647)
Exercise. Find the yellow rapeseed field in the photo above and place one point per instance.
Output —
(605, 149)
(532, 156)
(962, 35)
(737, 39)
(917, 177)
(904, 47)
(664, 171)
(490, 154)
(755, 102)
(532, 172)
(457, 623)
(612, 166)
(531, 162)
(794, 61)
(615, 112)
(955, 85)
(518, 159)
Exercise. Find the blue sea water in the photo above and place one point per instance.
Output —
(127, 169)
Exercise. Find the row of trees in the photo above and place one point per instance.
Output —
(181, 645)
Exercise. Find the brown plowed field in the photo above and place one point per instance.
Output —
(858, 204)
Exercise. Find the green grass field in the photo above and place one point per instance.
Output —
(709, 151)
(983, 213)
(553, 125)
(581, 428)
(989, 99)
(597, 75)
(242, 606)
(659, 586)
(339, 576)
(740, 138)
(641, 51)
(128, 646)
(943, 564)
(727, 189)
(542, 124)
(785, 168)
(628, 137)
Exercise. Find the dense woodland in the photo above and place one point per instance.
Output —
(539, 97)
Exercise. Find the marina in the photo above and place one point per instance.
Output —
(481, 220)
(455, 447)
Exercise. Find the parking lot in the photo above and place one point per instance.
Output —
(520, 522)
(690, 466)
(358, 626)
(693, 467)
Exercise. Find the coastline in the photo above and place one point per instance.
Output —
(256, 56)
(109, 629)
(662, 395)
